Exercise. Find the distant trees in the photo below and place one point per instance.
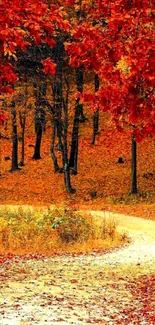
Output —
(116, 43)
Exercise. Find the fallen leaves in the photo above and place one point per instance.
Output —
(99, 173)
(74, 281)
(105, 297)
(144, 289)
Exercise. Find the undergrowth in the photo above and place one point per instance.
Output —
(55, 230)
(137, 198)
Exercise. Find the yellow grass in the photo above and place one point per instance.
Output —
(38, 231)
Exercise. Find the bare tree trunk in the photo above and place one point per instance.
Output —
(73, 161)
(79, 83)
(35, 89)
(36, 154)
(55, 122)
(60, 109)
(54, 158)
(134, 166)
(96, 114)
(39, 117)
(22, 119)
(78, 117)
(14, 165)
(65, 153)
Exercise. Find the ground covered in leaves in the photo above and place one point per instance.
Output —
(111, 289)
(101, 181)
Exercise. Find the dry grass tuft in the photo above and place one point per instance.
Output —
(55, 230)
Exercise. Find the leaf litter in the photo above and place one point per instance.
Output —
(112, 288)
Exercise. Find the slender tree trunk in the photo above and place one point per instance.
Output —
(53, 137)
(66, 167)
(59, 105)
(54, 158)
(22, 119)
(22, 123)
(78, 117)
(57, 98)
(14, 138)
(79, 83)
(73, 161)
(134, 166)
(58, 89)
(37, 155)
(39, 117)
(96, 114)
(23, 145)
(56, 109)
(38, 127)
(35, 89)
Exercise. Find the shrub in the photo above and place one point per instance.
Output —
(69, 225)
(53, 230)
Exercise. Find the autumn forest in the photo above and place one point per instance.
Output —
(77, 162)
(77, 102)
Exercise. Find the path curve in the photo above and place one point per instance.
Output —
(79, 290)
(142, 233)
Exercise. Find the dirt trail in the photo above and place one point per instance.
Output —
(81, 290)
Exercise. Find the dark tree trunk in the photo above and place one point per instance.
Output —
(23, 146)
(14, 138)
(37, 155)
(79, 83)
(78, 117)
(134, 166)
(57, 89)
(66, 166)
(54, 158)
(96, 114)
(56, 109)
(39, 117)
(42, 87)
(22, 123)
(55, 127)
(73, 161)
(57, 98)
(61, 126)
(22, 119)
(35, 89)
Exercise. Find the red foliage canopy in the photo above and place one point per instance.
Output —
(119, 45)
(24, 21)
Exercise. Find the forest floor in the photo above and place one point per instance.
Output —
(113, 288)
(101, 182)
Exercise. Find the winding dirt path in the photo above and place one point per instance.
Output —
(81, 290)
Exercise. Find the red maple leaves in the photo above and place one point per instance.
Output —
(49, 66)
(23, 22)
(118, 43)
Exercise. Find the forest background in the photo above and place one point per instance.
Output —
(77, 85)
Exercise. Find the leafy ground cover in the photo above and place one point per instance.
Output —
(143, 289)
(101, 183)
(110, 289)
